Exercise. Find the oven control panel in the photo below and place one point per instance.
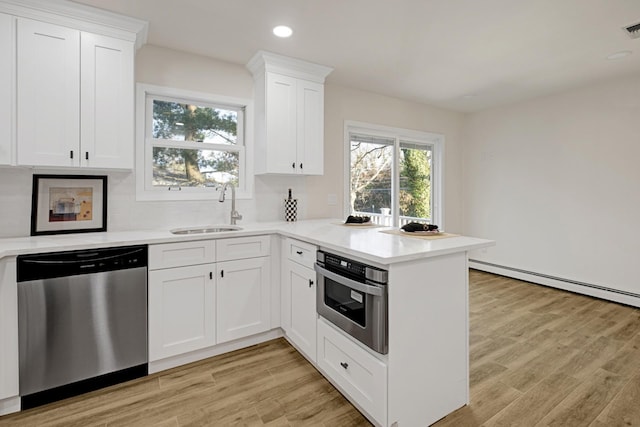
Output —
(350, 268)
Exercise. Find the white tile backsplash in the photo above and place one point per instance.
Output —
(125, 213)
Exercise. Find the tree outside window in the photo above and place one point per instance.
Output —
(179, 125)
(391, 178)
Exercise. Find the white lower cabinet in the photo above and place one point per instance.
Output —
(8, 330)
(196, 303)
(299, 290)
(243, 298)
(360, 375)
(298, 295)
(181, 310)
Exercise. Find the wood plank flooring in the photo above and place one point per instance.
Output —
(545, 357)
(538, 357)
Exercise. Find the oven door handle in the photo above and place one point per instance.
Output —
(367, 289)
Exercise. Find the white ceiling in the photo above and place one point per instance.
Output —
(464, 55)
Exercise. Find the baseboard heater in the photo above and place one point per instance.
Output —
(577, 286)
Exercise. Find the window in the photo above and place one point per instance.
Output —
(394, 174)
(189, 144)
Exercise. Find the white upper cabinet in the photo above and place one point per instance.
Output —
(7, 64)
(48, 94)
(75, 98)
(106, 75)
(289, 114)
(70, 95)
(310, 127)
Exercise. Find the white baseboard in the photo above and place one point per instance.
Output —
(622, 297)
(9, 405)
(194, 356)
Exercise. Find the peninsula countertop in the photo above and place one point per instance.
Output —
(365, 242)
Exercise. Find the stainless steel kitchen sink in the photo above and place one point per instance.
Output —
(205, 229)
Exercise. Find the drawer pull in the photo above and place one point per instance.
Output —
(345, 365)
(299, 252)
(310, 283)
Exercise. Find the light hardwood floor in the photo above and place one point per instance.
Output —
(539, 356)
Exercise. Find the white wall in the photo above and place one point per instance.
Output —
(165, 67)
(342, 104)
(556, 182)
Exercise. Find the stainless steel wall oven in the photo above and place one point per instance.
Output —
(353, 296)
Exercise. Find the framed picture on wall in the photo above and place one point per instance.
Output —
(68, 204)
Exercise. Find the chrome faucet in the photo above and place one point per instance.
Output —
(235, 215)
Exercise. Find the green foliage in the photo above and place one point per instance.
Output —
(415, 183)
(180, 121)
(194, 123)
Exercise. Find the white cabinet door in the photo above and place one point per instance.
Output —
(7, 64)
(107, 102)
(8, 329)
(281, 124)
(294, 125)
(48, 94)
(310, 119)
(300, 286)
(181, 310)
(243, 298)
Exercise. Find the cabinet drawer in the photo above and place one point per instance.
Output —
(181, 254)
(301, 252)
(361, 376)
(243, 247)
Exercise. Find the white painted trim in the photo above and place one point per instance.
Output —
(9, 405)
(436, 139)
(80, 17)
(194, 356)
(266, 61)
(559, 283)
(143, 117)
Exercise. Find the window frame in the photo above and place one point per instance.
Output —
(399, 135)
(145, 94)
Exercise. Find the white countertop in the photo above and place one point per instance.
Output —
(363, 242)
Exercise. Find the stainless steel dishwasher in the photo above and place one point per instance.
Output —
(82, 321)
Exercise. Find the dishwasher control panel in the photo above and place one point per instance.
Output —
(72, 263)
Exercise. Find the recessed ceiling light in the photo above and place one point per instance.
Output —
(619, 55)
(282, 31)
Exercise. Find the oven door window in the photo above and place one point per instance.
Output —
(346, 301)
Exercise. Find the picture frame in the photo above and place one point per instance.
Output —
(62, 204)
